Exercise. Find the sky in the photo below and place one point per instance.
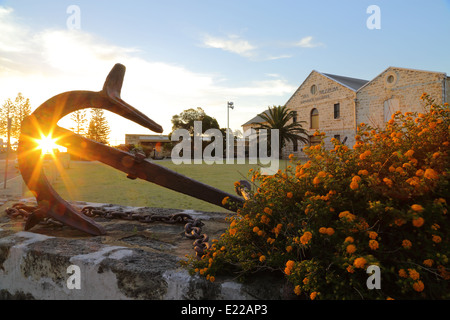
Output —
(182, 54)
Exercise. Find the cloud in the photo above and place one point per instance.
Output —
(307, 42)
(232, 43)
(43, 63)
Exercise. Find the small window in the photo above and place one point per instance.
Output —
(337, 111)
(313, 89)
(314, 119)
(294, 116)
(337, 137)
(295, 146)
(390, 79)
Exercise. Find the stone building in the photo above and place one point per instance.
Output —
(336, 104)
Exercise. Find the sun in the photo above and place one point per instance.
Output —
(47, 145)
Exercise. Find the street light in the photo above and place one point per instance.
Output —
(230, 105)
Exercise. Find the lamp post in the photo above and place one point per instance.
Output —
(230, 105)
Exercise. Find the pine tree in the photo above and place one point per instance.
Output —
(79, 117)
(17, 111)
(98, 127)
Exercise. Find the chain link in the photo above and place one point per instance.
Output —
(192, 228)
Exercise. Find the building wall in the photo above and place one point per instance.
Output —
(402, 94)
(328, 93)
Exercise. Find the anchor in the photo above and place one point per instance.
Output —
(43, 123)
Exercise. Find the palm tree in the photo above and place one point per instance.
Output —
(281, 118)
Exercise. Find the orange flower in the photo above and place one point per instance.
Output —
(406, 244)
(373, 244)
(313, 295)
(360, 262)
(354, 185)
(225, 200)
(417, 208)
(437, 239)
(304, 239)
(431, 174)
(388, 182)
(350, 269)
(262, 258)
(373, 235)
(330, 231)
(418, 286)
(402, 273)
(349, 239)
(409, 153)
(267, 210)
(289, 248)
(289, 195)
(418, 222)
(323, 230)
(297, 290)
(363, 172)
(351, 248)
(413, 274)
(316, 181)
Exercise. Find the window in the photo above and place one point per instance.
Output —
(337, 137)
(294, 116)
(314, 119)
(295, 146)
(313, 89)
(337, 111)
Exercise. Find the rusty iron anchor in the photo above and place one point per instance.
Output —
(43, 122)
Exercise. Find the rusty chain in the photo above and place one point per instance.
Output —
(192, 228)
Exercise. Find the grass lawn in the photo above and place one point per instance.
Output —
(95, 182)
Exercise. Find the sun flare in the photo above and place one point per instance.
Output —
(47, 145)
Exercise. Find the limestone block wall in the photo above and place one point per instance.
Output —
(327, 93)
(397, 89)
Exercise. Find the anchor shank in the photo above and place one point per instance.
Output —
(143, 169)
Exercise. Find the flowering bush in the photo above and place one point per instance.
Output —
(383, 202)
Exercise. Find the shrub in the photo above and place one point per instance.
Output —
(383, 202)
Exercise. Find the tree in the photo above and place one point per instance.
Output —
(98, 127)
(79, 117)
(281, 118)
(17, 111)
(186, 119)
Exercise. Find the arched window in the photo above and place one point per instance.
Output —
(314, 119)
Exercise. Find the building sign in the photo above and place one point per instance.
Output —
(321, 95)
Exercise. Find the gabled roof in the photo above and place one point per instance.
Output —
(257, 119)
(399, 68)
(351, 83)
